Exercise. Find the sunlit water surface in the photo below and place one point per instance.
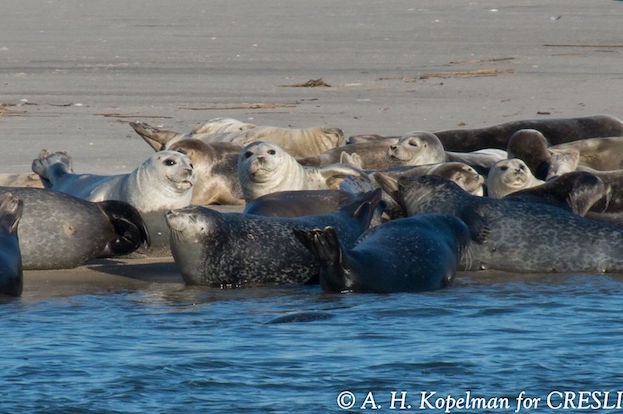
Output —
(174, 349)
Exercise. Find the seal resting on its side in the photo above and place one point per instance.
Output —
(233, 249)
(518, 237)
(11, 275)
(265, 168)
(412, 254)
(58, 231)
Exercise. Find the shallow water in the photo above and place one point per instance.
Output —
(167, 348)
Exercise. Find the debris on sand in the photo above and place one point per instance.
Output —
(312, 83)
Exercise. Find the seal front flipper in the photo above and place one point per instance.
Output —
(11, 208)
(326, 248)
(478, 228)
(130, 229)
(157, 138)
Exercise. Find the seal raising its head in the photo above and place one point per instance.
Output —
(417, 148)
(508, 176)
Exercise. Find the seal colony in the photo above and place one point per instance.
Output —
(372, 213)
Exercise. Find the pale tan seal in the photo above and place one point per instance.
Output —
(163, 181)
(509, 176)
(298, 142)
(215, 171)
(420, 148)
(371, 155)
(265, 168)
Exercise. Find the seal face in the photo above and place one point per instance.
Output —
(11, 276)
(234, 250)
(265, 168)
(518, 236)
(214, 169)
(417, 148)
(406, 255)
(509, 176)
(58, 231)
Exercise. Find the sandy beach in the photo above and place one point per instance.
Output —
(73, 74)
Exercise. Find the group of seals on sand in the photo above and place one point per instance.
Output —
(316, 205)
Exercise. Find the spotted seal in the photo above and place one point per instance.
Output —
(557, 131)
(59, 231)
(299, 203)
(406, 255)
(265, 168)
(508, 176)
(234, 249)
(518, 237)
(11, 275)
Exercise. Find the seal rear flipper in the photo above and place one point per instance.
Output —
(366, 207)
(157, 138)
(11, 208)
(129, 226)
(50, 166)
(325, 247)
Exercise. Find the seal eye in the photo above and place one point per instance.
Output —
(169, 162)
(272, 152)
(413, 143)
(248, 154)
(504, 168)
(521, 167)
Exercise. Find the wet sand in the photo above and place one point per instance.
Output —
(73, 74)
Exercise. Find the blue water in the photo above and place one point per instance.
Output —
(170, 349)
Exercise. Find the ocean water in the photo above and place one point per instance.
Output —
(171, 349)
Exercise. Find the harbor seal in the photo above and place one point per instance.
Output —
(59, 231)
(214, 169)
(235, 250)
(508, 176)
(577, 191)
(373, 155)
(11, 274)
(420, 148)
(557, 131)
(298, 142)
(412, 254)
(265, 168)
(518, 237)
(160, 138)
(163, 181)
(299, 203)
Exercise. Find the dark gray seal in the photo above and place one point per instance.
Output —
(556, 130)
(59, 231)
(413, 254)
(518, 237)
(299, 203)
(235, 250)
(11, 275)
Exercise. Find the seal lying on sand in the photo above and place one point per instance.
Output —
(265, 168)
(509, 176)
(299, 203)
(58, 231)
(373, 155)
(214, 169)
(406, 255)
(162, 181)
(298, 142)
(557, 131)
(233, 249)
(11, 276)
(518, 237)
(420, 148)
